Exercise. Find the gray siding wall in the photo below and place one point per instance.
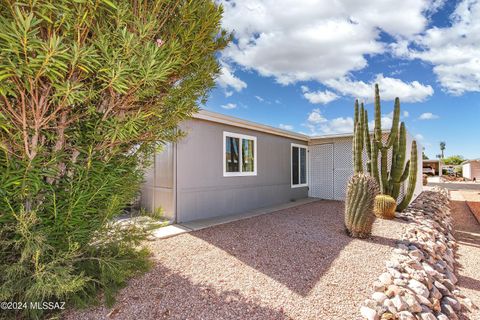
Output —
(203, 191)
(158, 190)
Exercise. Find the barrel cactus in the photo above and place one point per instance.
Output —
(359, 202)
(385, 206)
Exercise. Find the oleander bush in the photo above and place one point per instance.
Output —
(88, 91)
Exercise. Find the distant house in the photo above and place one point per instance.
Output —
(227, 165)
(434, 165)
(471, 169)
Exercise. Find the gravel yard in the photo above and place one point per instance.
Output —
(295, 263)
(467, 233)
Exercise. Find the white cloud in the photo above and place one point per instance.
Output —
(229, 106)
(317, 124)
(319, 97)
(419, 136)
(453, 50)
(316, 117)
(338, 125)
(316, 39)
(428, 116)
(285, 126)
(390, 88)
(228, 80)
(259, 98)
(406, 114)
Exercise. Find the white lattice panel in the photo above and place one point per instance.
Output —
(331, 166)
(342, 168)
(321, 171)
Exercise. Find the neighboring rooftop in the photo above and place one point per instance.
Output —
(471, 160)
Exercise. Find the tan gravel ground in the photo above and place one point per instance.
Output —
(467, 233)
(295, 263)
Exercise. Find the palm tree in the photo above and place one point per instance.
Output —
(442, 147)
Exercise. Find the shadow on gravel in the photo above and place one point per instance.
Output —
(467, 228)
(295, 247)
(467, 234)
(164, 294)
(470, 283)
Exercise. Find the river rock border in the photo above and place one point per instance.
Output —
(419, 281)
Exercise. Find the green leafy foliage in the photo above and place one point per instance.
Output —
(453, 160)
(88, 91)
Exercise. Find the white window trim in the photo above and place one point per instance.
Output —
(240, 155)
(291, 165)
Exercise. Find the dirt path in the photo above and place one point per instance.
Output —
(467, 232)
(295, 263)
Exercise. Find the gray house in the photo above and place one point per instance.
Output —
(227, 165)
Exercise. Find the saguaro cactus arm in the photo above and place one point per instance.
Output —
(384, 170)
(395, 121)
(358, 139)
(399, 152)
(412, 178)
(368, 145)
(378, 116)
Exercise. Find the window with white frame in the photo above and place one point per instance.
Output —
(299, 165)
(239, 155)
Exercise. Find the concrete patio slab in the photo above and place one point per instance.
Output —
(170, 231)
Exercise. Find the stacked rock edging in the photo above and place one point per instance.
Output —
(419, 282)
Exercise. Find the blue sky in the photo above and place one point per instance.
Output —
(300, 65)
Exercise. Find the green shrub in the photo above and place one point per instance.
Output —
(458, 170)
(88, 91)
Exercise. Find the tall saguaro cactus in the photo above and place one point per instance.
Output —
(391, 179)
(388, 178)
